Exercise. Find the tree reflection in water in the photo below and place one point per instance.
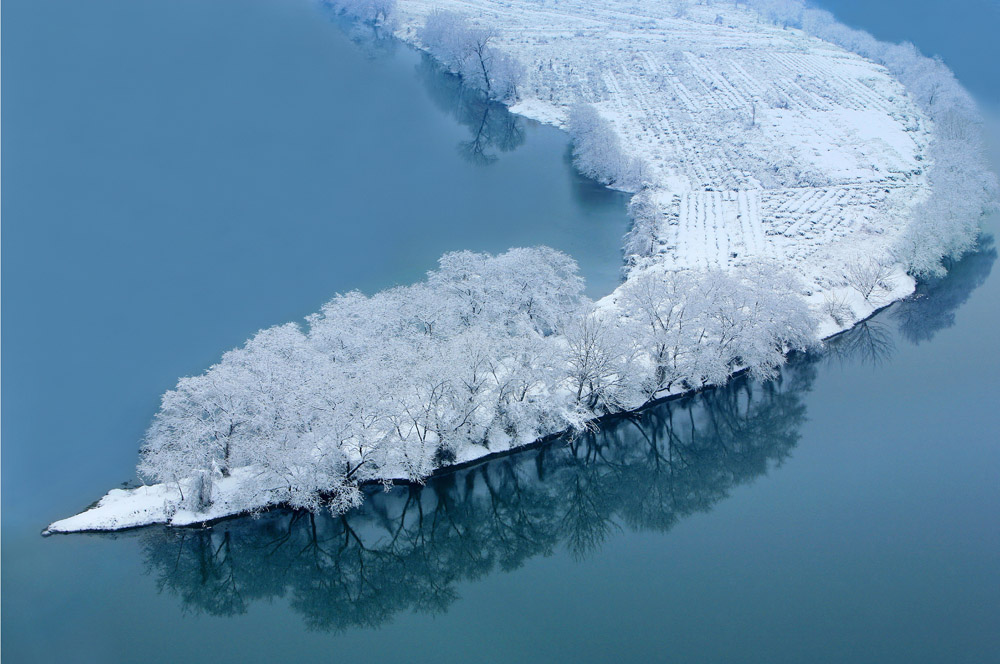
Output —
(918, 318)
(406, 549)
(932, 308)
(492, 127)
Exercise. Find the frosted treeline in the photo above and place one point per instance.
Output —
(489, 353)
(643, 236)
(393, 555)
(945, 226)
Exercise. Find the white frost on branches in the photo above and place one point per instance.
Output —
(469, 51)
(490, 353)
(597, 151)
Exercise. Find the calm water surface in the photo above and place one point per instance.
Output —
(171, 187)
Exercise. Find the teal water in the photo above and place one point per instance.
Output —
(180, 175)
(847, 512)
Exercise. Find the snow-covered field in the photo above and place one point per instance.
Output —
(758, 145)
(759, 141)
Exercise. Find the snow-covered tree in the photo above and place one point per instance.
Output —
(469, 51)
(870, 273)
(663, 317)
(642, 238)
(600, 357)
(597, 151)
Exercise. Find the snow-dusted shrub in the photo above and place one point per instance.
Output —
(467, 50)
(870, 274)
(836, 307)
(200, 492)
(679, 8)
(642, 237)
(597, 151)
(786, 13)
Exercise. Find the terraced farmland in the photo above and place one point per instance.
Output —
(759, 141)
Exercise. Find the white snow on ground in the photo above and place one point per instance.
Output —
(157, 503)
(760, 142)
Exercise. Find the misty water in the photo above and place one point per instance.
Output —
(179, 175)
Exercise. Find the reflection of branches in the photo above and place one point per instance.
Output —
(496, 128)
(475, 150)
(869, 342)
(492, 127)
(374, 40)
(920, 317)
(407, 548)
(933, 306)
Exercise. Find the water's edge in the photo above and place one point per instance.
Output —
(449, 469)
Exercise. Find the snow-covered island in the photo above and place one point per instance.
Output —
(790, 176)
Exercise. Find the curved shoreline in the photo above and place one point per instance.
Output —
(663, 259)
(442, 470)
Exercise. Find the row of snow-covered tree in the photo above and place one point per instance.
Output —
(946, 226)
(489, 352)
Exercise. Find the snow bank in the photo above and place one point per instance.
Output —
(161, 503)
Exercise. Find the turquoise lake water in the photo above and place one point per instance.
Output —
(178, 175)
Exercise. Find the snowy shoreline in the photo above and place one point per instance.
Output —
(144, 506)
(758, 144)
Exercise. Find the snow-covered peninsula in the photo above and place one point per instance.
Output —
(790, 176)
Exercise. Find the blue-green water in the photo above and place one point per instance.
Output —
(179, 175)
(170, 187)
